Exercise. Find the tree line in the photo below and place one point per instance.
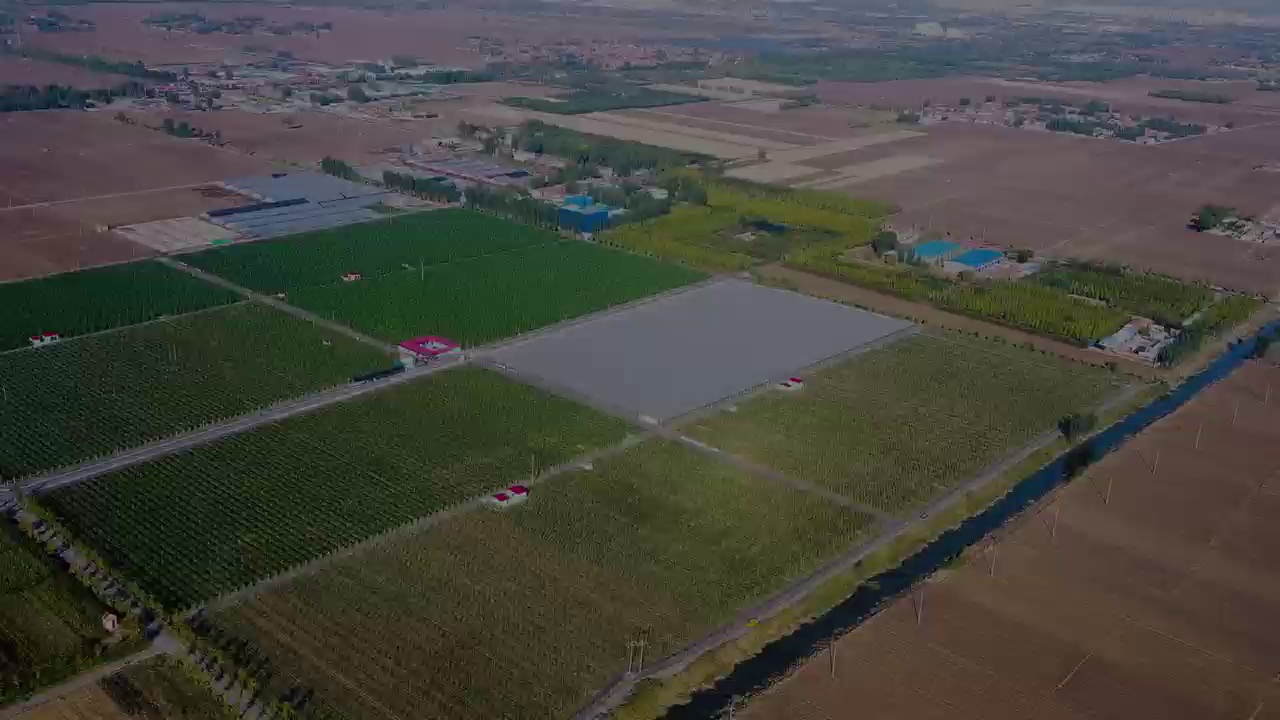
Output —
(94, 63)
(18, 98)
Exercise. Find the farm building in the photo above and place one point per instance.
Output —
(978, 259)
(431, 347)
(44, 339)
(584, 219)
(935, 251)
(579, 201)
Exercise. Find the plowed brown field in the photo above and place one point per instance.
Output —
(1145, 589)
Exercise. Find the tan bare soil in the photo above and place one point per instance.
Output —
(94, 172)
(270, 137)
(37, 241)
(1154, 602)
(61, 155)
(1073, 196)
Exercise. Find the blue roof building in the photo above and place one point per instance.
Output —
(978, 259)
(580, 201)
(935, 250)
(585, 219)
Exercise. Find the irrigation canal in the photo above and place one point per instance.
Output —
(757, 673)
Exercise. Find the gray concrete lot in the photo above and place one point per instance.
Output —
(669, 357)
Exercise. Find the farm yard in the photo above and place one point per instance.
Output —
(50, 626)
(489, 298)
(100, 299)
(954, 405)
(290, 492)
(526, 613)
(370, 249)
(1142, 589)
(94, 396)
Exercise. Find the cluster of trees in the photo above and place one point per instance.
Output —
(16, 98)
(228, 659)
(1016, 303)
(338, 168)
(184, 129)
(96, 64)
(602, 99)
(1219, 318)
(1192, 96)
(1173, 127)
(430, 188)
(514, 205)
(1209, 217)
(622, 156)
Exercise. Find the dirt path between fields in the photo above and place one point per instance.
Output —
(926, 315)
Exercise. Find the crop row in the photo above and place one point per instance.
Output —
(901, 424)
(497, 296)
(98, 395)
(282, 495)
(100, 299)
(527, 613)
(370, 249)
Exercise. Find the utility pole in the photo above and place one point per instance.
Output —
(1107, 500)
(1156, 465)
(631, 652)
(1199, 431)
(919, 605)
(991, 571)
(644, 640)
(1057, 510)
(1235, 415)
(833, 658)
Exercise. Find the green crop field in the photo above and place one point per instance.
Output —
(287, 493)
(98, 395)
(100, 299)
(371, 249)
(489, 298)
(901, 424)
(50, 626)
(525, 613)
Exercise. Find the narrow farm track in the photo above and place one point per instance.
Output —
(613, 696)
(81, 681)
(110, 196)
(163, 448)
(768, 473)
(278, 305)
(315, 566)
(67, 477)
